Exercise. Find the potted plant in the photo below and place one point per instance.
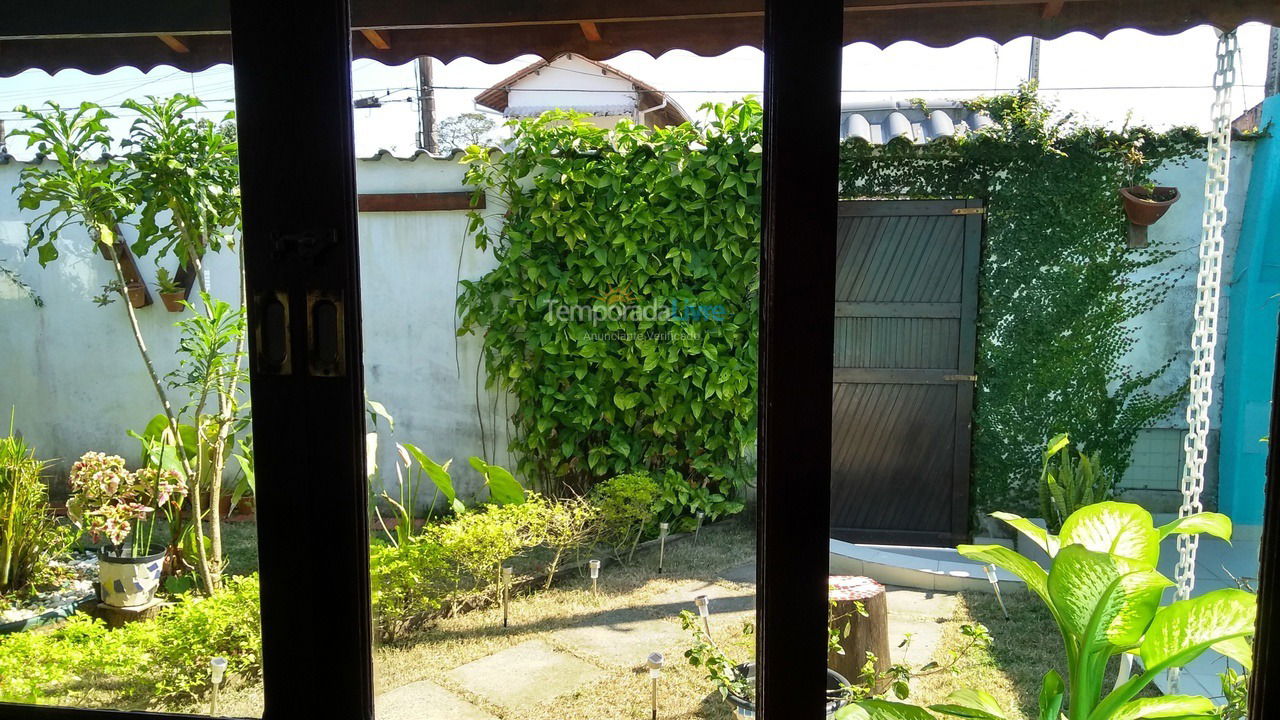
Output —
(1144, 204)
(121, 507)
(737, 681)
(171, 291)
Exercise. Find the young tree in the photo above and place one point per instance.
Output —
(181, 175)
(462, 131)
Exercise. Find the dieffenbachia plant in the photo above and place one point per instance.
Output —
(1104, 592)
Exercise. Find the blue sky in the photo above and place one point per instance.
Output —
(1160, 81)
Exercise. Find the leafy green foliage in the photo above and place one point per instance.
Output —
(165, 658)
(82, 185)
(1071, 483)
(187, 167)
(1057, 284)
(664, 218)
(682, 499)
(29, 535)
(722, 671)
(628, 504)
(410, 582)
(1104, 592)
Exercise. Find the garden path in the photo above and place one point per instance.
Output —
(564, 662)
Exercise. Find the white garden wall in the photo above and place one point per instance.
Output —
(73, 375)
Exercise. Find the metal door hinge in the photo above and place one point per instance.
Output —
(960, 378)
(969, 211)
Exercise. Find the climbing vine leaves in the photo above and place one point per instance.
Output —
(622, 315)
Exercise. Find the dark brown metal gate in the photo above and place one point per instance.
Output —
(902, 398)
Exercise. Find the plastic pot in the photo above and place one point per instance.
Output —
(126, 581)
(746, 709)
(1144, 207)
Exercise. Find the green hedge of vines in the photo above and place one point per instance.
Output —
(673, 214)
(655, 236)
(1056, 285)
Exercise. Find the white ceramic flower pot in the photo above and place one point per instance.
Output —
(128, 581)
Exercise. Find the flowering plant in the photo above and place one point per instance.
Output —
(108, 501)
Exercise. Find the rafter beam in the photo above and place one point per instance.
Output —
(174, 44)
(377, 38)
(1051, 9)
(590, 31)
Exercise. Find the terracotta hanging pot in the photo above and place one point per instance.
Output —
(173, 301)
(1145, 206)
(137, 293)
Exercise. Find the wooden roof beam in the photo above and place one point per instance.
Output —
(377, 38)
(1052, 8)
(174, 44)
(590, 31)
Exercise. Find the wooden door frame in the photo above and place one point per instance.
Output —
(974, 227)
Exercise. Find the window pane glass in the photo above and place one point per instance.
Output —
(572, 376)
(128, 548)
(995, 356)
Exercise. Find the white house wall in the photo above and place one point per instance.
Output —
(571, 82)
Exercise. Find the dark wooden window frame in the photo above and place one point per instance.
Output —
(292, 64)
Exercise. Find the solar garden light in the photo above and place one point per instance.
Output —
(654, 662)
(990, 570)
(217, 670)
(594, 566)
(704, 611)
(698, 528)
(662, 544)
(506, 593)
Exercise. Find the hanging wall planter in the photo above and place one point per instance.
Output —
(127, 581)
(1144, 206)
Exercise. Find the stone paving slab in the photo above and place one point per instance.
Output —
(623, 637)
(425, 700)
(530, 673)
(744, 574)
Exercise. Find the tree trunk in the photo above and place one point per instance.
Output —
(860, 618)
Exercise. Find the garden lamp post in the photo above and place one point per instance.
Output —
(662, 544)
(654, 662)
(506, 593)
(704, 611)
(594, 567)
(217, 669)
(990, 570)
(698, 528)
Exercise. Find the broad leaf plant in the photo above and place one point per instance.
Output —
(1104, 591)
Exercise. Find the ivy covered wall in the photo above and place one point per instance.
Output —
(671, 217)
(1057, 284)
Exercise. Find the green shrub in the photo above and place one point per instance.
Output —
(665, 221)
(166, 658)
(682, 499)
(1071, 483)
(627, 505)
(29, 535)
(478, 542)
(190, 633)
(567, 525)
(411, 583)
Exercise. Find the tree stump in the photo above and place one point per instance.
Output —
(859, 634)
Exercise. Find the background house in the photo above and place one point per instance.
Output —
(573, 82)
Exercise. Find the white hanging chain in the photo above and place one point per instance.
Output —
(1204, 338)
